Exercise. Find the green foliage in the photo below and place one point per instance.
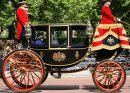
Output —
(63, 11)
(6, 14)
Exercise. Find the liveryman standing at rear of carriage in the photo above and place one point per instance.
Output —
(107, 17)
(22, 19)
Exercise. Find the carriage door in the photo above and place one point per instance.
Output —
(58, 37)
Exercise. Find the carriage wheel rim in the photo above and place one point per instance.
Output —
(109, 76)
(22, 72)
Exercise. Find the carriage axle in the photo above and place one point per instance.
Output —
(72, 71)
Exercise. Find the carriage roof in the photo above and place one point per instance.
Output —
(59, 24)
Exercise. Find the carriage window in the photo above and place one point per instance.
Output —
(39, 36)
(59, 36)
(78, 35)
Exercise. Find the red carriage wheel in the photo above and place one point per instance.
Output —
(23, 70)
(109, 76)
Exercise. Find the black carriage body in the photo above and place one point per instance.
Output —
(64, 44)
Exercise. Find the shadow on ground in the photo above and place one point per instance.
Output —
(93, 88)
(49, 87)
(58, 87)
(89, 88)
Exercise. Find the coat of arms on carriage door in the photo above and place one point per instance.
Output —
(59, 56)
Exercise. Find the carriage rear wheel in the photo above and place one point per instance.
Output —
(109, 76)
(23, 70)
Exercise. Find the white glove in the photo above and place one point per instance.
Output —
(118, 19)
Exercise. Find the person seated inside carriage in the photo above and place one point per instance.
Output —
(40, 40)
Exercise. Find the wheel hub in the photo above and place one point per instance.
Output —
(109, 76)
(22, 71)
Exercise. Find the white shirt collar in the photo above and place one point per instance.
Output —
(106, 4)
(22, 8)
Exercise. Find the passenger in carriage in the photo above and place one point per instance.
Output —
(40, 40)
(107, 17)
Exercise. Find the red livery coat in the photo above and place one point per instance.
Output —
(107, 17)
(22, 18)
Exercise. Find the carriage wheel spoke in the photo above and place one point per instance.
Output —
(110, 67)
(30, 80)
(102, 70)
(34, 76)
(118, 76)
(112, 84)
(20, 82)
(114, 68)
(20, 59)
(105, 67)
(25, 82)
(15, 79)
(25, 59)
(15, 61)
(11, 70)
(117, 72)
(108, 84)
(103, 83)
(101, 79)
(98, 75)
(12, 75)
(12, 65)
(30, 62)
(116, 81)
(34, 65)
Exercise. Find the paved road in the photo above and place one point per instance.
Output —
(67, 85)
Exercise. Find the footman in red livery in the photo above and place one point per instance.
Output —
(22, 19)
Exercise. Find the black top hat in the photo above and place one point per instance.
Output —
(22, 2)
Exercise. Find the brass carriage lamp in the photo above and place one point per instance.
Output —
(28, 32)
(89, 30)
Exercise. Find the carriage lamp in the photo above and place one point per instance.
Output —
(28, 32)
(89, 30)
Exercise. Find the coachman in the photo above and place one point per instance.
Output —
(107, 17)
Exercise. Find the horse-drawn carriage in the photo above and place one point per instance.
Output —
(64, 45)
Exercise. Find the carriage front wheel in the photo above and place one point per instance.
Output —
(109, 76)
(23, 70)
